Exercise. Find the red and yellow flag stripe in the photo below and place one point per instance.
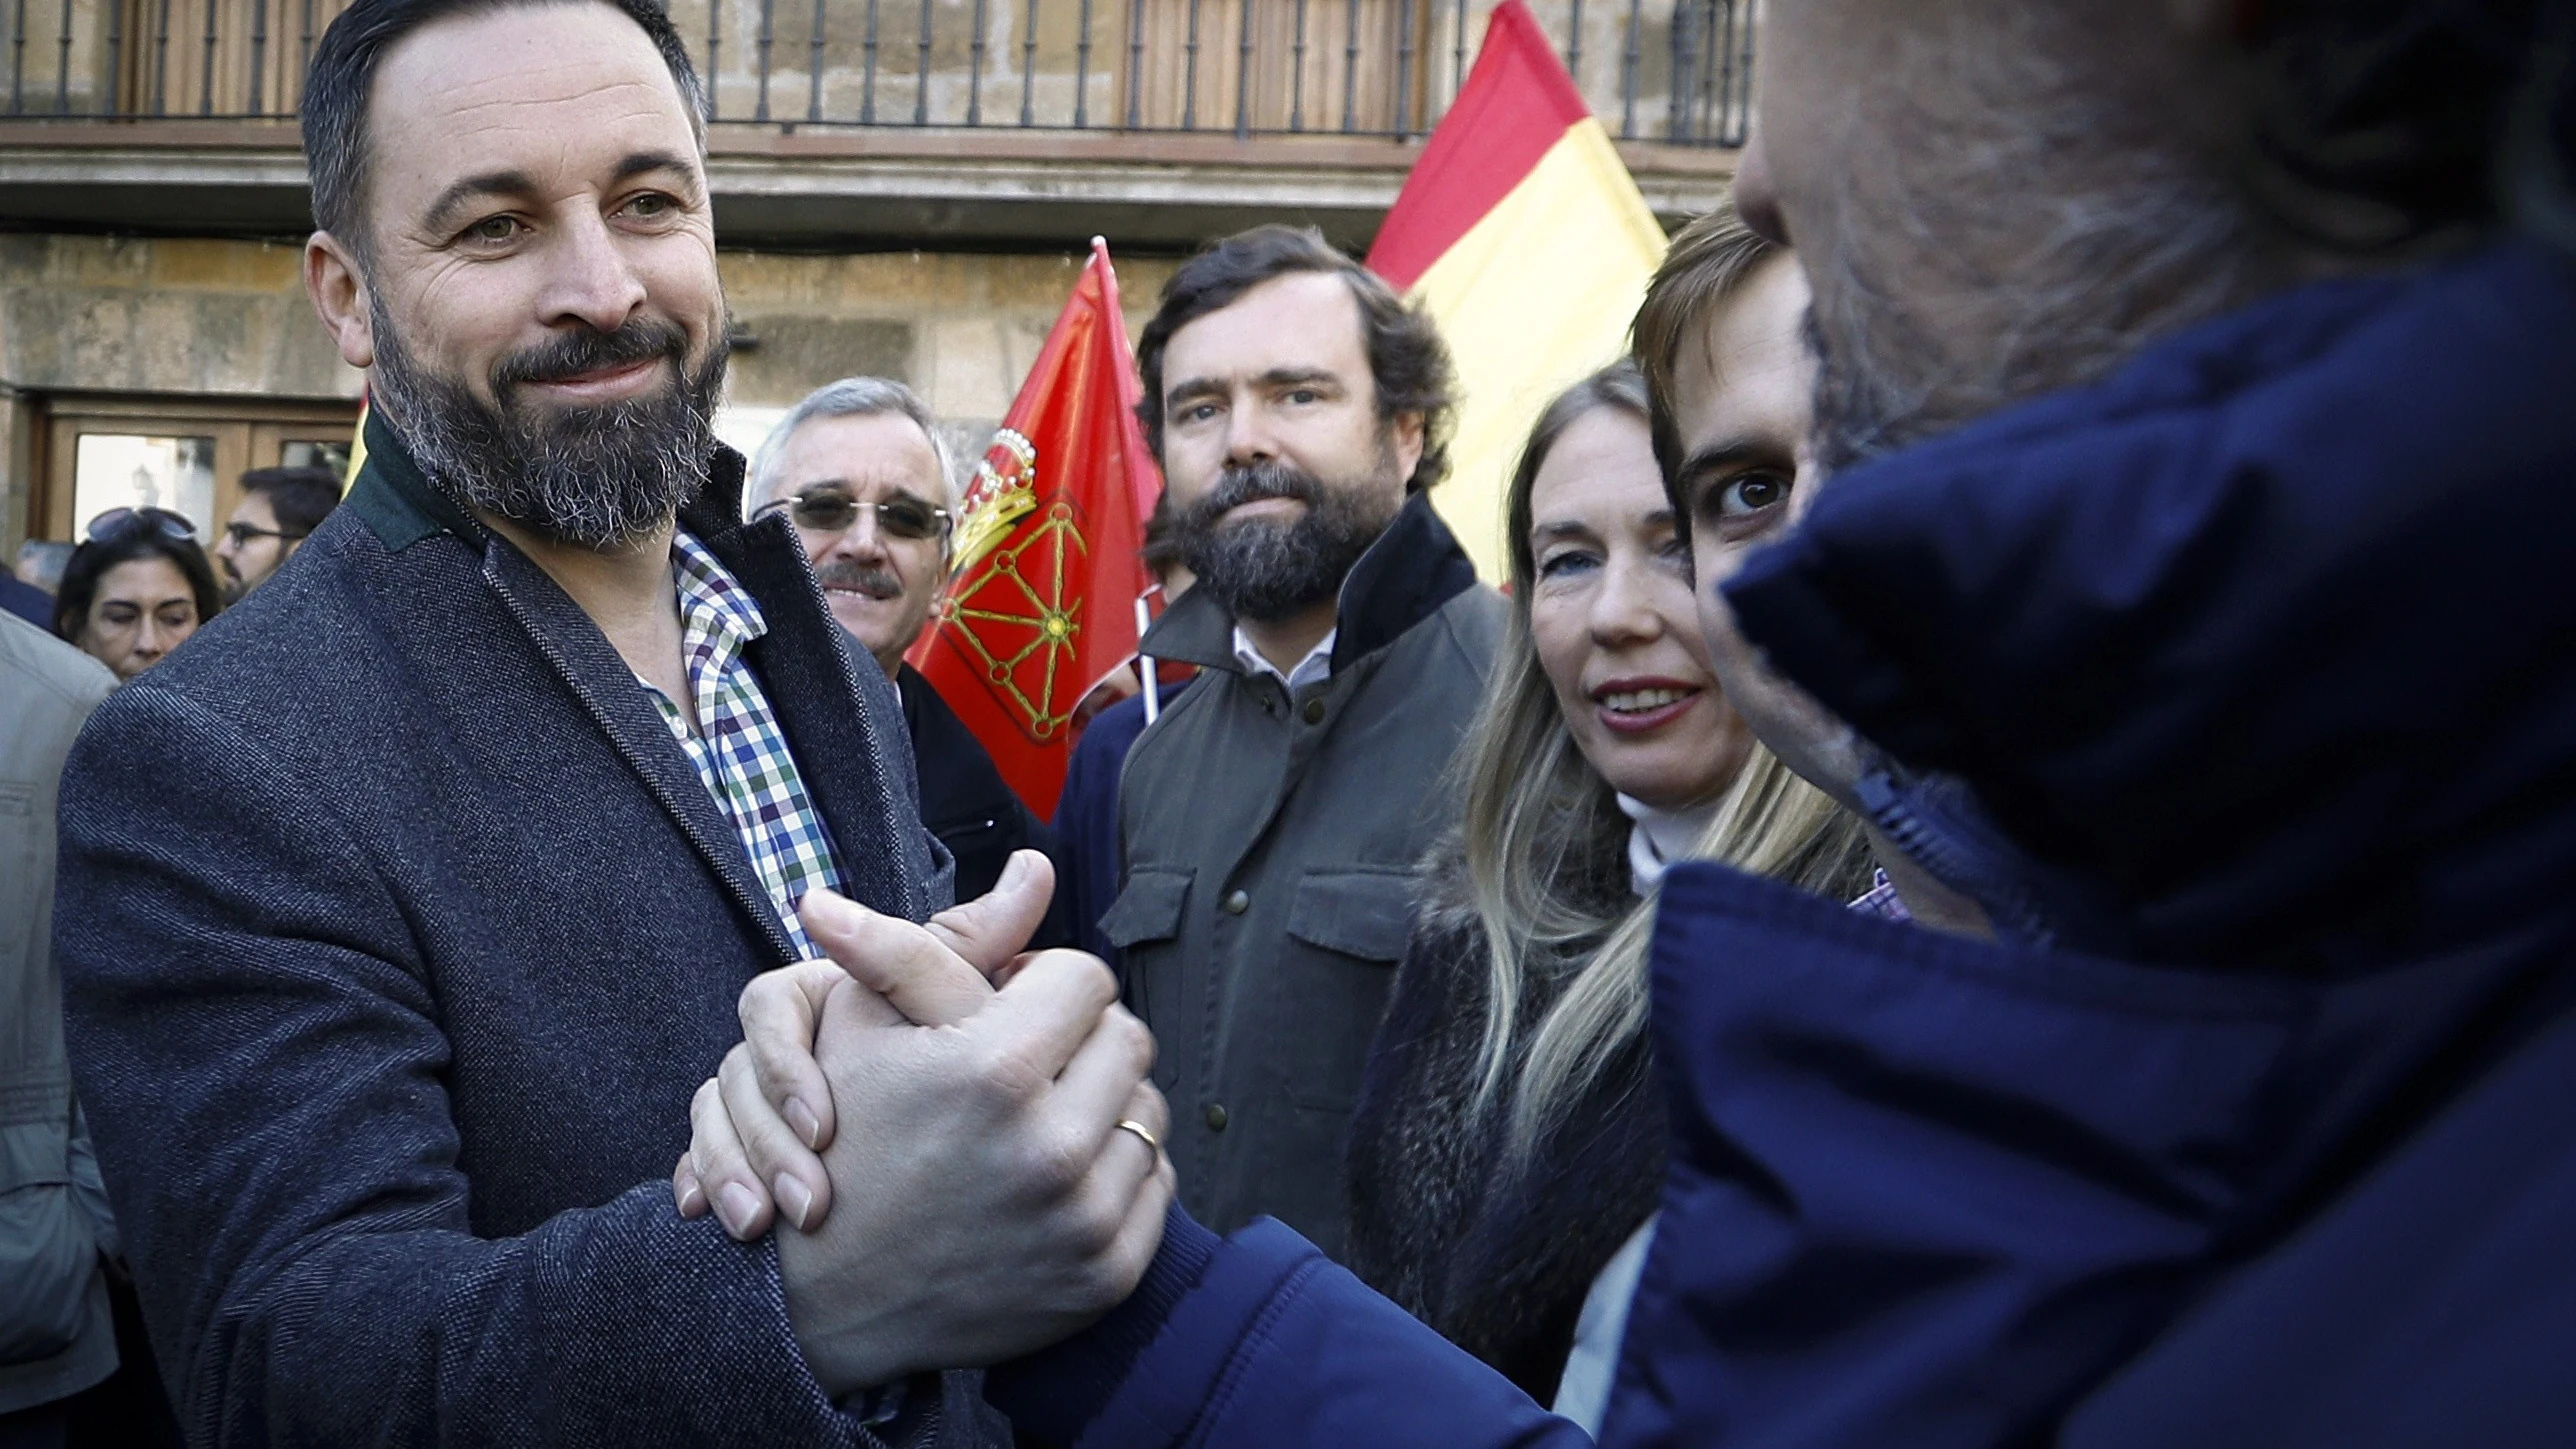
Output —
(1522, 233)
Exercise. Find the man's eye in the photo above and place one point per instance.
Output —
(1198, 412)
(1305, 395)
(652, 205)
(494, 229)
(1750, 494)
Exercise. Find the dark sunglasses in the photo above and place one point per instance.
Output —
(825, 512)
(242, 533)
(116, 523)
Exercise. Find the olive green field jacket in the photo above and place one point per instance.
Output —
(1270, 843)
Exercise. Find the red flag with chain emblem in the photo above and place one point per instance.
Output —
(1042, 589)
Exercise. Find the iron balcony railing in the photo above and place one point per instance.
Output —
(1672, 71)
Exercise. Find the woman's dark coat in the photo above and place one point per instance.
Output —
(1494, 1249)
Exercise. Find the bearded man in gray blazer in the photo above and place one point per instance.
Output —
(402, 912)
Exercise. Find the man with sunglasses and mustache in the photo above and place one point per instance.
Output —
(858, 467)
(1271, 818)
(403, 913)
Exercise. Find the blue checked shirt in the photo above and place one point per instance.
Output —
(736, 746)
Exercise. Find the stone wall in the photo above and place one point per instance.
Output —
(179, 318)
(960, 328)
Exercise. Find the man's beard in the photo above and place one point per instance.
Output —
(598, 477)
(1266, 569)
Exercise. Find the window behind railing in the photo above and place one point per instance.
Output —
(1678, 71)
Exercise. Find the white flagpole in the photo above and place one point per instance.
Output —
(1145, 665)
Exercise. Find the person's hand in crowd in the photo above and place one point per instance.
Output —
(758, 1128)
(994, 1202)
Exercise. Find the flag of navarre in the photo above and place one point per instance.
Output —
(1045, 569)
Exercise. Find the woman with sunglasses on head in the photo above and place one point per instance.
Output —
(135, 589)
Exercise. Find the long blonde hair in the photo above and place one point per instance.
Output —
(1541, 830)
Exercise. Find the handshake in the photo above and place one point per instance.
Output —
(960, 1139)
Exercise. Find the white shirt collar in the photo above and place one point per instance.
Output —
(1317, 665)
(1660, 838)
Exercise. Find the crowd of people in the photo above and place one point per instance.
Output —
(1989, 877)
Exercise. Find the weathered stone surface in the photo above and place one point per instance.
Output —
(208, 317)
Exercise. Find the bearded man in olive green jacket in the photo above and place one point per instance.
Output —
(1270, 821)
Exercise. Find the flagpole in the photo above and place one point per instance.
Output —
(1145, 665)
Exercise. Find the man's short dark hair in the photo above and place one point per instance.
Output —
(344, 73)
(1408, 363)
(300, 497)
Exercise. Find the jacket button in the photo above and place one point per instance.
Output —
(1216, 1116)
(1237, 904)
(1314, 711)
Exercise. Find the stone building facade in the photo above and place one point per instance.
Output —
(911, 199)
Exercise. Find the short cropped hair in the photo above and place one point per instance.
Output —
(852, 397)
(300, 497)
(1408, 363)
(343, 74)
(1706, 263)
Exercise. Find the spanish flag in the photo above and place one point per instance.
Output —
(1522, 233)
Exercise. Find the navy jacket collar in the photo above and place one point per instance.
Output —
(1414, 568)
(2261, 647)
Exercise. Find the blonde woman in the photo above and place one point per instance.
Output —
(1508, 1140)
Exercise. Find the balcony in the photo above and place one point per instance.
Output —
(915, 123)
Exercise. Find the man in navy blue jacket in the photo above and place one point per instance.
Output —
(401, 916)
(2193, 592)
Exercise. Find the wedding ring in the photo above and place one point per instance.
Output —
(1152, 1144)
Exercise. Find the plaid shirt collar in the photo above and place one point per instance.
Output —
(737, 747)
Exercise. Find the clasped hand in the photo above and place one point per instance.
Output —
(985, 1201)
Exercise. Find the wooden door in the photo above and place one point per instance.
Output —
(183, 454)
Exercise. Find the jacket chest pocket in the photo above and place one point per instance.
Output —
(1329, 997)
(1149, 909)
(1146, 916)
(1360, 913)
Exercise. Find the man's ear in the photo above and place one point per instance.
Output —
(1412, 433)
(339, 292)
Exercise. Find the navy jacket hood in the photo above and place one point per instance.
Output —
(2260, 648)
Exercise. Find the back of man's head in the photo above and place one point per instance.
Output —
(339, 84)
(1408, 363)
(300, 497)
(41, 562)
(1996, 198)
